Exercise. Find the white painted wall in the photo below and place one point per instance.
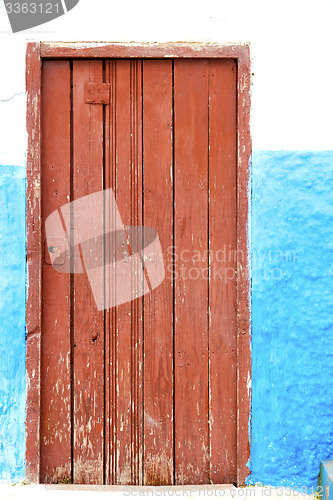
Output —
(292, 42)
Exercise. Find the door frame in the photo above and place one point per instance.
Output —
(35, 54)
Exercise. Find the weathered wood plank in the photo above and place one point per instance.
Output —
(191, 284)
(110, 379)
(55, 364)
(128, 139)
(34, 260)
(244, 150)
(158, 305)
(88, 322)
(223, 269)
(142, 50)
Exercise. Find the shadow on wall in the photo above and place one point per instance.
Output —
(292, 328)
(12, 323)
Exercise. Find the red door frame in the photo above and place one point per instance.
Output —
(36, 53)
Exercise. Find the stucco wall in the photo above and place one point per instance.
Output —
(291, 212)
(12, 322)
(292, 329)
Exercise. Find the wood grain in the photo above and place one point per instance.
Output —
(34, 261)
(144, 50)
(56, 389)
(110, 341)
(158, 305)
(88, 322)
(129, 356)
(223, 269)
(244, 156)
(191, 284)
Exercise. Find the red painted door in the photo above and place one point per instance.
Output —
(143, 391)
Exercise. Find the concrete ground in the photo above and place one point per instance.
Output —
(214, 492)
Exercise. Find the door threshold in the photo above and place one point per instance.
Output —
(133, 490)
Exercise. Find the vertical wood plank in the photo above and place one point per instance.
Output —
(128, 138)
(158, 305)
(111, 332)
(88, 321)
(34, 260)
(136, 304)
(110, 327)
(191, 284)
(123, 424)
(55, 364)
(223, 268)
(244, 147)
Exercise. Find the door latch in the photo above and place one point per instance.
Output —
(96, 93)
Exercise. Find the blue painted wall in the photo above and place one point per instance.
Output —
(292, 325)
(12, 322)
(292, 316)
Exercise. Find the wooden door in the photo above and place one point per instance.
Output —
(144, 392)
